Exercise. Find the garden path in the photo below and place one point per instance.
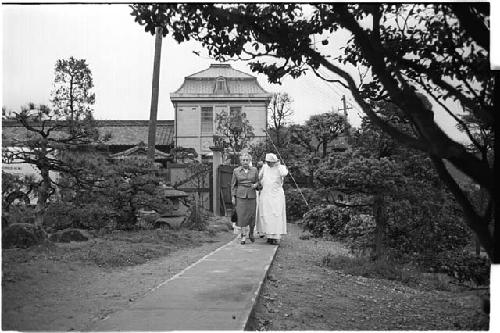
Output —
(216, 292)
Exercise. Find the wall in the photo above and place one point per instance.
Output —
(188, 122)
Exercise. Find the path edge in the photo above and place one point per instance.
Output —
(250, 323)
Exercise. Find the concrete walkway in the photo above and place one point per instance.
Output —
(217, 292)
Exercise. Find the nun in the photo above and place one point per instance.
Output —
(271, 219)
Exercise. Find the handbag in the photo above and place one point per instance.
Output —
(234, 217)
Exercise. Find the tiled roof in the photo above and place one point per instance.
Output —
(123, 132)
(202, 84)
(133, 132)
(204, 87)
(217, 70)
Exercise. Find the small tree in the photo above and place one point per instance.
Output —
(369, 176)
(49, 136)
(72, 98)
(325, 128)
(280, 111)
(233, 130)
(309, 143)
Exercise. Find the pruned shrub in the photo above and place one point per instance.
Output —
(326, 220)
(295, 205)
(95, 216)
(59, 216)
(359, 225)
(463, 266)
(359, 233)
(18, 214)
(22, 235)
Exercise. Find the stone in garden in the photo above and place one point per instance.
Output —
(219, 227)
(22, 235)
(69, 235)
(146, 218)
(173, 222)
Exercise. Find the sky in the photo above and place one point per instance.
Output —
(120, 55)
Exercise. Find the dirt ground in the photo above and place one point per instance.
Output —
(67, 287)
(301, 294)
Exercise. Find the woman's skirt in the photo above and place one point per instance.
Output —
(245, 208)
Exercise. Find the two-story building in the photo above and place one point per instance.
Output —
(209, 92)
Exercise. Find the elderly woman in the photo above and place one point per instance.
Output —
(271, 219)
(243, 184)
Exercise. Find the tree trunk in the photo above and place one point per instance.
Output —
(278, 136)
(378, 213)
(154, 97)
(43, 189)
(311, 178)
(71, 107)
(325, 146)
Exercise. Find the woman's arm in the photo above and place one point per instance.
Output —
(234, 184)
(283, 170)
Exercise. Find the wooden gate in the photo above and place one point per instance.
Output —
(199, 182)
(225, 173)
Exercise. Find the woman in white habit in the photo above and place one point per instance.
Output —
(271, 211)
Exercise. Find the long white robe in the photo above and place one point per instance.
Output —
(271, 208)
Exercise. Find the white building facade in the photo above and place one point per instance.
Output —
(209, 92)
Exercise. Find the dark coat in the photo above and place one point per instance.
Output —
(241, 183)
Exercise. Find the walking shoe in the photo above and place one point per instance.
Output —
(243, 240)
(252, 239)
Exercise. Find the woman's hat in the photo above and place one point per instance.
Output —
(271, 158)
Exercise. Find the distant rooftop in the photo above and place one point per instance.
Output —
(217, 70)
(123, 132)
(237, 85)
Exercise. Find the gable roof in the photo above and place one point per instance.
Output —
(122, 132)
(202, 85)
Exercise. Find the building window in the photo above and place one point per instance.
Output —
(220, 86)
(207, 120)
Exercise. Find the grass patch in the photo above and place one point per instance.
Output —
(116, 249)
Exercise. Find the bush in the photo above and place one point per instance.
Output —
(122, 189)
(22, 235)
(295, 205)
(326, 220)
(463, 266)
(359, 233)
(18, 214)
(64, 215)
(59, 216)
(418, 230)
(359, 225)
(197, 220)
(94, 216)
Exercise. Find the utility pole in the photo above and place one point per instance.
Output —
(345, 106)
(153, 115)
